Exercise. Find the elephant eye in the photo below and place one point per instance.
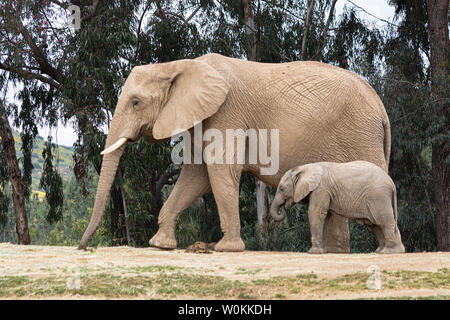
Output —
(135, 102)
(281, 189)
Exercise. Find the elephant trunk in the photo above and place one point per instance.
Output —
(107, 175)
(277, 210)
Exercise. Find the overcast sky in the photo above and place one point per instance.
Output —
(379, 8)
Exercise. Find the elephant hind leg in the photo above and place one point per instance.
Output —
(192, 183)
(392, 238)
(380, 237)
(393, 242)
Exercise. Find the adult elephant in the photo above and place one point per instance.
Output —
(323, 113)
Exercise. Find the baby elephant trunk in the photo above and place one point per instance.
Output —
(277, 210)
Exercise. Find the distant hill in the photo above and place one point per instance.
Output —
(62, 153)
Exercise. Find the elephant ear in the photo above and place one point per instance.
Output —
(196, 91)
(306, 179)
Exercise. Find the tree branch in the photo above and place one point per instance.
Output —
(325, 30)
(192, 15)
(78, 3)
(63, 60)
(60, 4)
(138, 31)
(30, 75)
(50, 25)
(272, 4)
(362, 9)
(305, 28)
(164, 179)
(38, 55)
(250, 31)
(93, 11)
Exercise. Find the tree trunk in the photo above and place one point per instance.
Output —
(155, 207)
(250, 31)
(262, 201)
(125, 219)
(116, 212)
(439, 46)
(305, 28)
(325, 30)
(15, 177)
(156, 186)
(155, 201)
(262, 204)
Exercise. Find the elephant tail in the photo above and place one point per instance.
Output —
(387, 140)
(394, 205)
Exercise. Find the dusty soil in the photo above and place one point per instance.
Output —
(41, 261)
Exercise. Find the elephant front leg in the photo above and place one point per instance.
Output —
(192, 183)
(317, 214)
(224, 181)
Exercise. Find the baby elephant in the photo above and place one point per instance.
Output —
(357, 190)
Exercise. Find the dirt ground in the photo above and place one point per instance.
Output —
(37, 262)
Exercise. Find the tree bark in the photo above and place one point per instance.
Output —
(262, 201)
(15, 177)
(262, 204)
(124, 204)
(127, 228)
(325, 30)
(439, 46)
(249, 22)
(156, 185)
(116, 211)
(305, 28)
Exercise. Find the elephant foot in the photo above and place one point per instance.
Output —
(379, 249)
(397, 249)
(334, 249)
(316, 250)
(162, 241)
(230, 245)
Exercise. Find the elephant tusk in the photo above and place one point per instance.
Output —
(115, 146)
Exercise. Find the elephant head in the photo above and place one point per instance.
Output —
(295, 185)
(156, 101)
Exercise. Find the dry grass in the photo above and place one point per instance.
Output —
(163, 282)
(42, 272)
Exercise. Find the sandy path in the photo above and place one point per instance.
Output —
(35, 260)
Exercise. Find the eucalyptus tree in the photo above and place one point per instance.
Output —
(64, 74)
(75, 76)
(10, 169)
(438, 11)
(420, 54)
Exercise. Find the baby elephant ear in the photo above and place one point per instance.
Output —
(308, 179)
(196, 91)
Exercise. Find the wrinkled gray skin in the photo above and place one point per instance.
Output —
(357, 190)
(323, 113)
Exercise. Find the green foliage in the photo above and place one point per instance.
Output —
(51, 182)
(362, 239)
(89, 67)
(199, 223)
(63, 160)
(76, 212)
(291, 235)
